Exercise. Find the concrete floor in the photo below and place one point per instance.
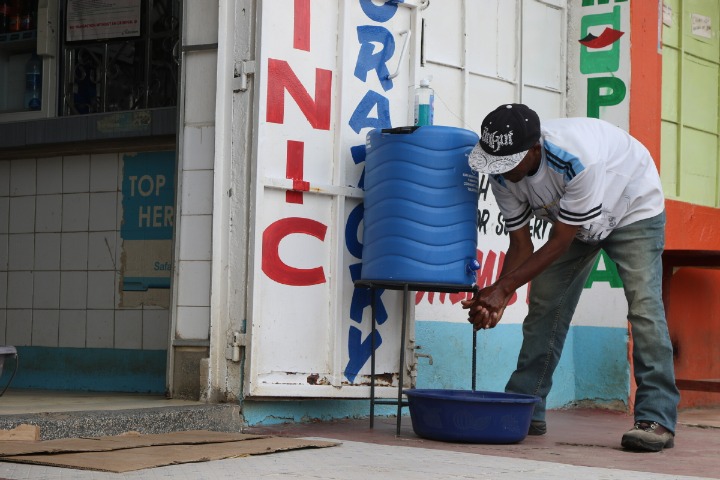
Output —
(18, 402)
(578, 437)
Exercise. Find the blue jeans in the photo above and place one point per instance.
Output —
(554, 294)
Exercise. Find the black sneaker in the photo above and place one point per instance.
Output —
(648, 437)
(537, 427)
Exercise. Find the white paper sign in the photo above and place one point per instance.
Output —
(667, 14)
(701, 25)
(99, 19)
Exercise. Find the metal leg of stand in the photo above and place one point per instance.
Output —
(402, 358)
(474, 359)
(372, 359)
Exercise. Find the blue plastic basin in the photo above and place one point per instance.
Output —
(470, 416)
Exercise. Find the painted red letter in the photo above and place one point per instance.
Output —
(301, 37)
(294, 171)
(281, 77)
(272, 264)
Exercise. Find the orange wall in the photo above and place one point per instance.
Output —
(645, 75)
(694, 312)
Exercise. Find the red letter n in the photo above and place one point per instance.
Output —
(281, 78)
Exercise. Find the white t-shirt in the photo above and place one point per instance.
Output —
(592, 174)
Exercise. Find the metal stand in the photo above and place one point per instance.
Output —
(406, 289)
(473, 381)
(7, 351)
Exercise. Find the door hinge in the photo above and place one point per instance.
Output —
(237, 341)
(242, 71)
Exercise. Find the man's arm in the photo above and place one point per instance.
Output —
(521, 247)
(521, 266)
(561, 236)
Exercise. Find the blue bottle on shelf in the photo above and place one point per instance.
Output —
(33, 83)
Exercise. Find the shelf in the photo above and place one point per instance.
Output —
(15, 42)
(702, 385)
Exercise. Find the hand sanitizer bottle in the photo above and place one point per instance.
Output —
(424, 103)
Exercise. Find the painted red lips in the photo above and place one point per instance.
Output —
(607, 37)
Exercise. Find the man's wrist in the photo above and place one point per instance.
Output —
(505, 285)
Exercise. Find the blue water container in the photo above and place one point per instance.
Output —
(420, 221)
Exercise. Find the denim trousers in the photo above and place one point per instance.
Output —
(637, 250)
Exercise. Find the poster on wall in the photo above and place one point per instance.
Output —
(701, 26)
(102, 19)
(148, 201)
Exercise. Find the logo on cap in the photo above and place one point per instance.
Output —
(508, 132)
(495, 141)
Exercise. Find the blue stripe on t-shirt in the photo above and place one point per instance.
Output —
(562, 161)
(500, 179)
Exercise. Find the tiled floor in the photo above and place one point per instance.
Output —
(578, 437)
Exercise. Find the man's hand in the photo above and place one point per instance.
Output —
(521, 266)
(487, 306)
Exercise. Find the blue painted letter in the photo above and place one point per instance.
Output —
(359, 351)
(379, 13)
(360, 117)
(368, 59)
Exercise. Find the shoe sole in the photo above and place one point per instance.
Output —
(535, 430)
(640, 445)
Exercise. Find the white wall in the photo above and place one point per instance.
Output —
(193, 233)
(481, 54)
(60, 257)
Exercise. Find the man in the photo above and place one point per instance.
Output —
(599, 188)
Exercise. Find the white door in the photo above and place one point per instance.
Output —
(327, 73)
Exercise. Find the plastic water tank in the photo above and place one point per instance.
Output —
(420, 221)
